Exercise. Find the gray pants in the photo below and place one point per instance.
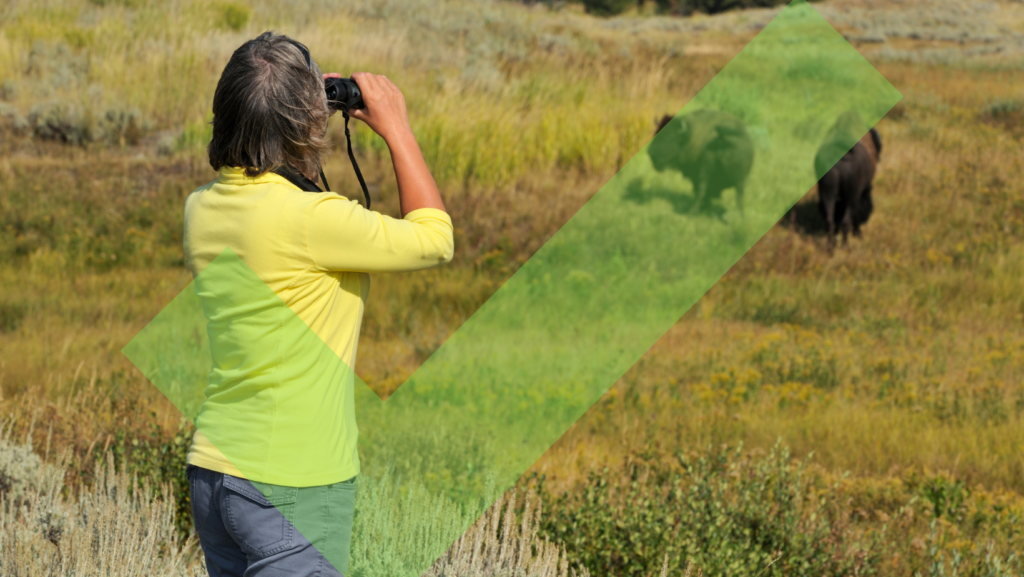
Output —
(244, 533)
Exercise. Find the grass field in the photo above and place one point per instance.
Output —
(899, 360)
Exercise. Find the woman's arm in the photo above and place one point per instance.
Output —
(386, 114)
(342, 235)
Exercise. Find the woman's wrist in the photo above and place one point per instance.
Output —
(398, 137)
(416, 186)
(404, 148)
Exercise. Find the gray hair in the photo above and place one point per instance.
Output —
(269, 109)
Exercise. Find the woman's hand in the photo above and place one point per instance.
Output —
(385, 111)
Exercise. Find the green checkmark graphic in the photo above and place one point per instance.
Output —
(552, 340)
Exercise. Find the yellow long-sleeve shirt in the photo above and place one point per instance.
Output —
(313, 250)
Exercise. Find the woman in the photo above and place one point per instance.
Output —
(282, 276)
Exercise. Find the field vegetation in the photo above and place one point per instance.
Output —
(861, 413)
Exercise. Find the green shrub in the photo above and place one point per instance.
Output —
(686, 7)
(1002, 108)
(98, 219)
(195, 136)
(159, 458)
(8, 89)
(123, 126)
(232, 15)
(607, 7)
(125, 3)
(65, 123)
(114, 526)
(11, 316)
(1006, 114)
(982, 561)
(75, 125)
(946, 496)
(732, 514)
(677, 7)
(20, 468)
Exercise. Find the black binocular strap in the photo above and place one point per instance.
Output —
(297, 180)
(309, 186)
(300, 180)
(352, 157)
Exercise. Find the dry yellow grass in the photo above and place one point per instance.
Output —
(119, 527)
(116, 527)
(501, 543)
(921, 318)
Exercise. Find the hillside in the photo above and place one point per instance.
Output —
(899, 360)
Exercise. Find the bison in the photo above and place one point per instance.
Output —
(844, 190)
(710, 148)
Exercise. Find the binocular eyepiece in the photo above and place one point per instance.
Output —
(343, 94)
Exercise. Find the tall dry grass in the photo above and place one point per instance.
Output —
(119, 526)
(503, 542)
(115, 527)
(900, 356)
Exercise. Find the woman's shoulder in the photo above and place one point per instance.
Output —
(195, 194)
(269, 200)
(201, 189)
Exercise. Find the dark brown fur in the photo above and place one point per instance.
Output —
(844, 190)
(663, 122)
(710, 148)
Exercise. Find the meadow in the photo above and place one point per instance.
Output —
(855, 413)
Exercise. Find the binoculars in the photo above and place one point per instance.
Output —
(343, 94)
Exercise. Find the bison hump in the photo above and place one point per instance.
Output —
(830, 154)
(708, 125)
